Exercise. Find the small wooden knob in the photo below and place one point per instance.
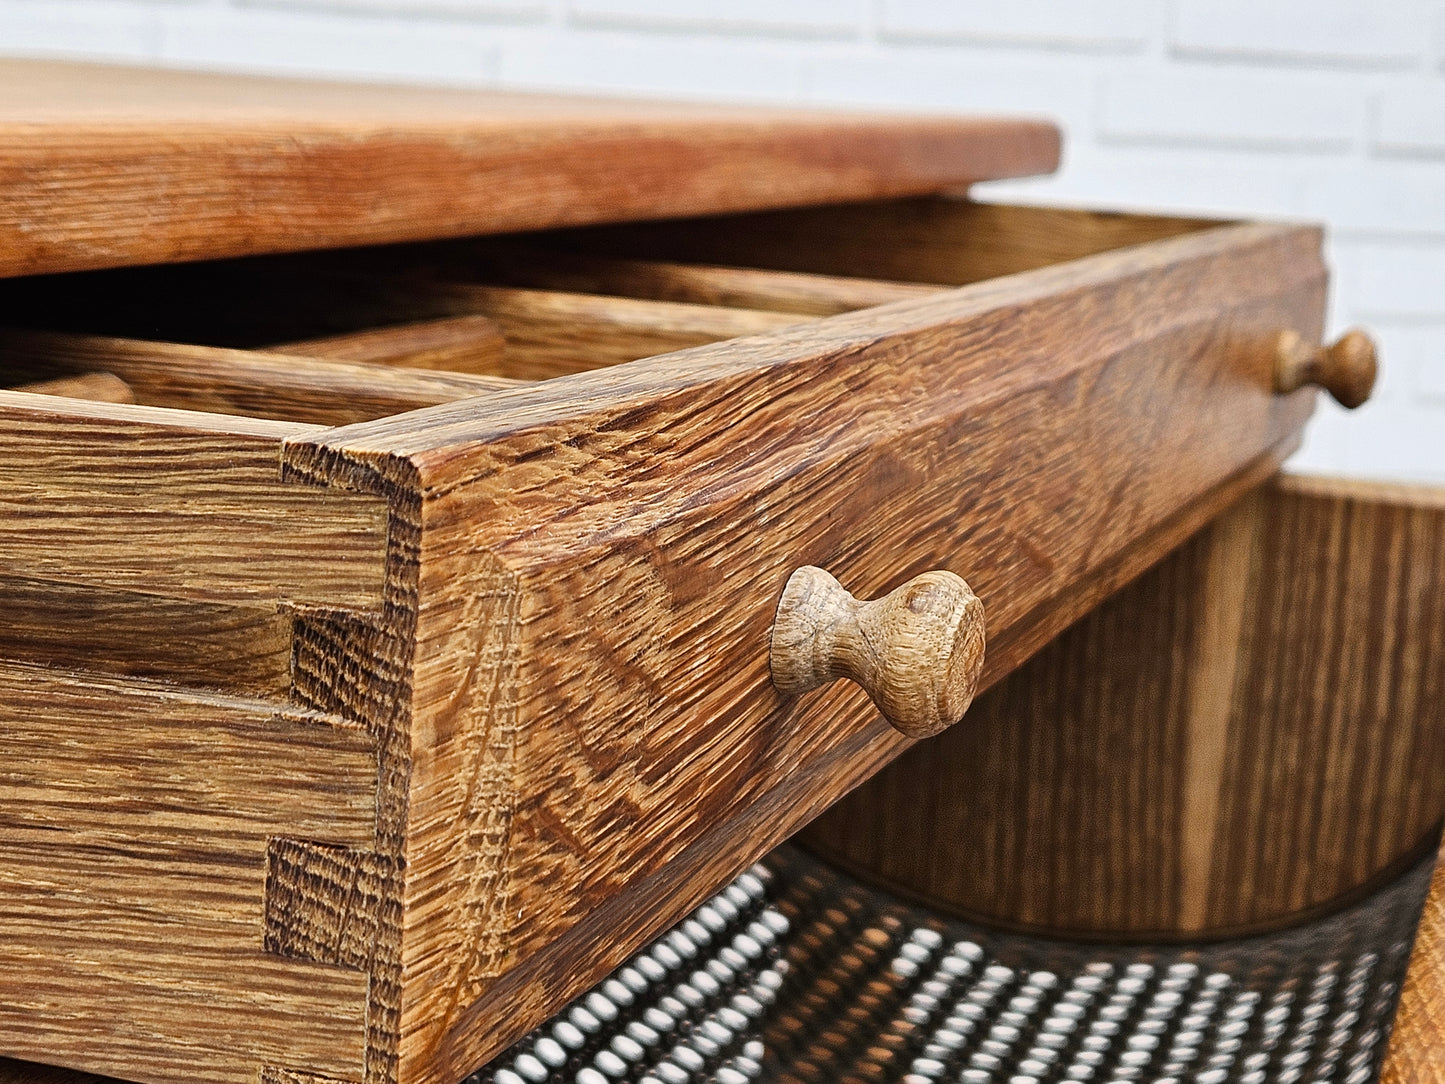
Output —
(1346, 370)
(917, 651)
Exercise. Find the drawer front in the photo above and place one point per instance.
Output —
(596, 738)
(545, 606)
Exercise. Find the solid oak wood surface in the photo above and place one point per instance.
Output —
(104, 166)
(100, 387)
(146, 900)
(908, 241)
(460, 344)
(244, 648)
(519, 641)
(668, 280)
(251, 383)
(176, 502)
(551, 333)
(1248, 732)
(596, 561)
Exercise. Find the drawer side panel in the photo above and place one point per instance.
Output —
(170, 502)
(135, 822)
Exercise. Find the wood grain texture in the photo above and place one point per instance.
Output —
(1248, 732)
(461, 344)
(1416, 1054)
(282, 1010)
(663, 280)
(362, 668)
(246, 382)
(153, 761)
(917, 651)
(145, 500)
(550, 333)
(245, 649)
(133, 845)
(160, 544)
(107, 166)
(558, 663)
(100, 387)
(324, 902)
(1354, 687)
(13, 1071)
(616, 928)
(931, 240)
(608, 548)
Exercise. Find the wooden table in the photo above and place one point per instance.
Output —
(394, 638)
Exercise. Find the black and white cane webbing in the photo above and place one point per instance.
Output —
(797, 973)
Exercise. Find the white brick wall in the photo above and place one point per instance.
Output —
(1323, 109)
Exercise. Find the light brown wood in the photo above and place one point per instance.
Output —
(242, 648)
(545, 612)
(139, 499)
(1224, 604)
(245, 382)
(549, 333)
(929, 240)
(1247, 733)
(1416, 1054)
(608, 547)
(1346, 369)
(461, 344)
(158, 763)
(167, 798)
(663, 280)
(107, 166)
(917, 651)
(279, 1012)
(100, 387)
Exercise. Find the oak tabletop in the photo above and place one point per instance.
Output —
(103, 166)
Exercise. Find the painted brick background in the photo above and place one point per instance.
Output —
(1323, 109)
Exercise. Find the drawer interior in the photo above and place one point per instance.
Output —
(343, 337)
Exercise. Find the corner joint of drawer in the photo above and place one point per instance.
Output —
(321, 461)
(275, 1074)
(328, 904)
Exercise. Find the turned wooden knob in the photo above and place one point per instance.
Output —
(1346, 370)
(917, 651)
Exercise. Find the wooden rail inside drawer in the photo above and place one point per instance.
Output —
(382, 663)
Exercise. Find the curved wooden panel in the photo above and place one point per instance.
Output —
(1250, 731)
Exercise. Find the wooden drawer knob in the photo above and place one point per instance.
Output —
(917, 651)
(1346, 370)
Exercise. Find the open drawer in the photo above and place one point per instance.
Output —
(398, 660)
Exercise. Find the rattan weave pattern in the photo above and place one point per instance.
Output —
(798, 973)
